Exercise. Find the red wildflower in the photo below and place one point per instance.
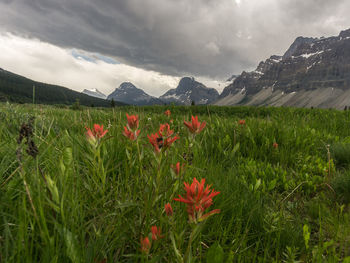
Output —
(169, 141)
(241, 122)
(168, 209)
(275, 145)
(96, 133)
(164, 130)
(167, 113)
(198, 199)
(156, 141)
(177, 168)
(195, 126)
(145, 245)
(131, 135)
(133, 121)
(162, 139)
(156, 233)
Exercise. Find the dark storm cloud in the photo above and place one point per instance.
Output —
(211, 38)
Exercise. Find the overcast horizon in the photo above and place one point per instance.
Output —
(81, 44)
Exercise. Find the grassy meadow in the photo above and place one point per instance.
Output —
(283, 175)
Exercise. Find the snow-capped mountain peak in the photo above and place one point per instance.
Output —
(190, 90)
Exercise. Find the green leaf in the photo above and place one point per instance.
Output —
(215, 254)
(72, 250)
(67, 156)
(53, 189)
(306, 234)
(235, 149)
(272, 184)
(127, 154)
(346, 260)
(257, 184)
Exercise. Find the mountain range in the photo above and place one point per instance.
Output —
(188, 90)
(313, 72)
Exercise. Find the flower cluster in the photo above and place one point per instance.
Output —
(146, 243)
(198, 196)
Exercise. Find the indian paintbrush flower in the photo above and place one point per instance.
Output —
(156, 141)
(165, 131)
(177, 168)
(133, 121)
(241, 122)
(198, 199)
(156, 233)
(145, 245)
(162, 140)
(167, 113)
(275, 145)
(132, 135)
(95, 134)
(195, 126)
(168, 209)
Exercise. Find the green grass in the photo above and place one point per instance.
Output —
(74, 203)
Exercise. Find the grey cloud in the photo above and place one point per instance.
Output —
(212, 38)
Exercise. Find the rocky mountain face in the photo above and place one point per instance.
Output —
(129, 94)
(190, 90)
(94, 93)
(312, 72)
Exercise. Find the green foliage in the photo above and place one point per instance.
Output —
(341, 186)
(215, 254)
(76, 105)
(341, 152)
(84, 202)
(112, 103)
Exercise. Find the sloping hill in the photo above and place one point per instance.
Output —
(16, 88)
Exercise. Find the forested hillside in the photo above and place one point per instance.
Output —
(15, 88)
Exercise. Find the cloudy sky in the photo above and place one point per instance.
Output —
(152, 43)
